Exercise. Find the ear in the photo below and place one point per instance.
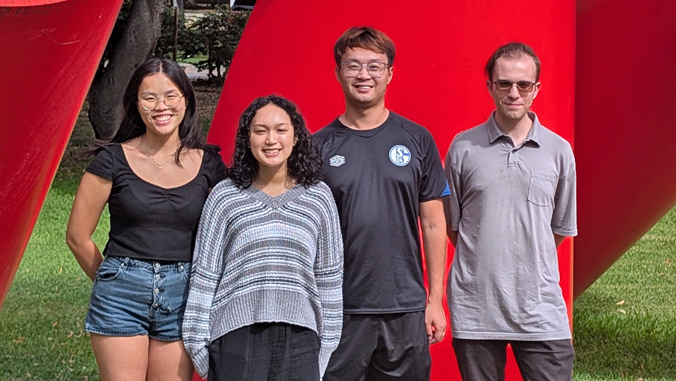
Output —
(390, 73)
(536, 90)
(337, 72)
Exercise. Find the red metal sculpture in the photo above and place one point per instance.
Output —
(609, 89)
(49, 52)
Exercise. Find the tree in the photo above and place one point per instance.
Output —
(216, 35)
(135, 45)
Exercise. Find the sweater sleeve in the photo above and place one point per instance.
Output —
(329, 278)
(206, 272)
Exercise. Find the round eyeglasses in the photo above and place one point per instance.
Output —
(352, 69)
(524, 87)
(150, 103)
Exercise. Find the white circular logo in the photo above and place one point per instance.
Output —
(400, 155)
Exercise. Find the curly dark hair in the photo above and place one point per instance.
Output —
(304, 164)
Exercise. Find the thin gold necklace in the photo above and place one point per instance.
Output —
(152, 157)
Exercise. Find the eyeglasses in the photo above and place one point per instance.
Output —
(170, 100)
(352, 69)
(524, 87)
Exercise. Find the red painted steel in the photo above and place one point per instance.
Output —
(49, 56)
(625, 132)
(27, 3)
(287, 48)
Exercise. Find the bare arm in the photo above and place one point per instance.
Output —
(559, 239)
(433, 223)
(90, 199)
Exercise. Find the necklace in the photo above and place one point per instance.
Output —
(152, 157)
(159, 166)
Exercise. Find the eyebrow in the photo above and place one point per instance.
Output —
(165, 93)
(276, 125)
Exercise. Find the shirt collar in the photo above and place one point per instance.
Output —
(494, 131)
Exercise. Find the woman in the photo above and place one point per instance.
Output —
(155, 175)
(265, 297)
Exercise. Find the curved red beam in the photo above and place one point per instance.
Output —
(624, 127)
(50, 52)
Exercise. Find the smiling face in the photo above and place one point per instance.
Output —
(162, 120)
(511, 105)
(363, 91)
(271, 137)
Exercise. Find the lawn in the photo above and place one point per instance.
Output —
(625, 324)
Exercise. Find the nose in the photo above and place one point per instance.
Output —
(363, 72)
(514, 91)
(271, 138)
(162, 102)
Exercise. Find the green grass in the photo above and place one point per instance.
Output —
(42, 321)
(637, 337)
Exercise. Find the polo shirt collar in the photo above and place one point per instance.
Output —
(494, 131)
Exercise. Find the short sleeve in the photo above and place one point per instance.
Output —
(216, 170)
(433, 185)
(103, 163)
(564, 218)
(453, 210)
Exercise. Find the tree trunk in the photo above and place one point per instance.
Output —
(135, 46)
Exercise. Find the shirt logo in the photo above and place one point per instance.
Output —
(400, 155)
(337, 161)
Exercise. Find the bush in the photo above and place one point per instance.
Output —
(216, 36)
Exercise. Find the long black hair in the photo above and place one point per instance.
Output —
(304, 164)
(132, 125)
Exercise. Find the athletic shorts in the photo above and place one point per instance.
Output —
(381, 347)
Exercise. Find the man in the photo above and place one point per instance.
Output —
(386, 174)
(512, 204)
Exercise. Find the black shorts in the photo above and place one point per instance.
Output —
(484, 360)
(381, 347)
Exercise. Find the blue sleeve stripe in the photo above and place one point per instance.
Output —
(447, 191)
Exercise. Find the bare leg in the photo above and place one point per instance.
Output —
(168, 360)
(121, 358)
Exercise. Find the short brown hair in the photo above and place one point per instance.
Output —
(512, 50)
(366, 38)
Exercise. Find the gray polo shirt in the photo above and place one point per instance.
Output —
(506, 204)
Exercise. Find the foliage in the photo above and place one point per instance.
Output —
(216, 35)
(165, 44)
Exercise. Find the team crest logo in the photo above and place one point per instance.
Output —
(337, 161)
(400, 155)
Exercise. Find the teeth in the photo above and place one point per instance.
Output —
(162, 118)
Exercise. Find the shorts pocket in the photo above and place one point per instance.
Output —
(184, 270)
(542, 188)
(109, 269)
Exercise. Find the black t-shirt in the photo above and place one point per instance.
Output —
(378, 178)
(149, 222)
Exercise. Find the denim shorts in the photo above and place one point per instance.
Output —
(133, 297)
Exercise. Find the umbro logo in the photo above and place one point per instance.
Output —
(337, 161)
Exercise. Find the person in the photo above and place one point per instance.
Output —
(155, 174)
(385, 173)
(512, 204)
(265, 298)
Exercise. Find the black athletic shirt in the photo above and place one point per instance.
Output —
(149, 222)
(378, 178)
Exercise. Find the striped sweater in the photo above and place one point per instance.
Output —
(265, 259)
